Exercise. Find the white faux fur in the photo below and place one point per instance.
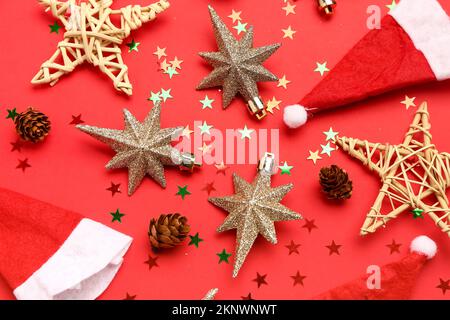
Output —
(295, 116)
(425, 246)
(428, 26)
(82, 268)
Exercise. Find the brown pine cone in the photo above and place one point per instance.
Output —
(168, 231)
(335, 182)
(32, 125)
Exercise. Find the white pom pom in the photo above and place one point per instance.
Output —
(425, 246)
(295, 116)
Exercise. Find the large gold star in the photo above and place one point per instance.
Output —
(415, 175)
(91, 36)
(252, 211)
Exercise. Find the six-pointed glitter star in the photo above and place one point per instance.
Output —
(252, 211)
(237, 65)
(144, 148)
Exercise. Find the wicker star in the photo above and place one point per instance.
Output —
(237, 65)
(143, 148)
(415, 175)
(91, 36)
(252, 211)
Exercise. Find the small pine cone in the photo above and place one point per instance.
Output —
(335, 182)
(168, 231)
(32, 125)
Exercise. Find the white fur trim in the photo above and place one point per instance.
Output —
(82, 268)
(425, 246)
(428, 26)
(295, 116)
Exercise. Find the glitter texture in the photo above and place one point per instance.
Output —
(237, 65)
(144, 148)
(252, 211)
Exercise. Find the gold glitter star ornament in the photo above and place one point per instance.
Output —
(253, 209)
(92, 37)
(144, 148)
(237, 66)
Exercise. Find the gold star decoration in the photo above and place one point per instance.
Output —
(253, 209)
(409, 102)
(314, 156)
(273, 104)
(92, 37)
(144, 148)
(288, 33)
(415, 175)
(160, 52)
(283, 82)
(235, 15)
(237, 65)
(289, 8)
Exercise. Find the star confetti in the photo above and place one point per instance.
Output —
(237, 65)
(187, 132)
(321, 68)
(286, 169)
(235, 16)
(205, 128)
(160, 52)
(23, 164)
(12, 114)
(394, 246)
(154, 97)
(444, 285)
(314, 156)
(310, 225)
(176, 63)
(240, 27)
(283, 82)
(252, 211)
(207, 103)
(116, 216)
(54, 27)
(223, 256)
(330, 135)
(334, 248)
(151, 262)
(76, 120)
(288, 33)
(273, 104)
(133, 46)
(293, 247)
(165, 94)
(183, 192)
(246, 133)
(298, 279)
(195, 240)
(414, 175)
(114, 188)
(130, 297)
(221, 168)
(209, 187)
(392, 5)
(144, 148)
(260, 279)
(205, 148)
(408, 102)
(171, 71)
(327, 149)
(17, 145)
(417, 213)
(289, 8)
(94, 35)
(247, 297)
(163, 65)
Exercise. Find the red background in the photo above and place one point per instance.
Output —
(68, 168)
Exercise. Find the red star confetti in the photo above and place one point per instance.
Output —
(247, 297)
(76, 120)
(334, 248)
(309, 224)
(221, 168)
(298, 278)
(444, 285)
(394, 247)
(209, 187)
(293, 247)
(114, 188)
(130, 297)
(16, 146)
(23, 164)
(260, 279)
(151, 262)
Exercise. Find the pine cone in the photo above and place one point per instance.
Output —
(335, 183)
(32, 125)
(168, 231)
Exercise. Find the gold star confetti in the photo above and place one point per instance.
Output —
(252, 210)
(321, 68)
(409, 102)
(187, 132)
(144, 148)
(160, 52)
(289, 8)
(176, 63)
(205, 148)
(273, 104)
(288, 33)
(246, 133)
(330, 134)
(235, 16)
(283, 82)
(164, 65)
(221, 168)
(392, 5)
(314, 156)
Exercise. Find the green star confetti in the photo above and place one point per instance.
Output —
(183, 192)
(286, 169)
(133, 46)
(240, 27)
(117, 216)
(207, 103)
(417, 213)
(246, 133)
(12, 114)
(223, 256)
(171, 71)
(195, 240)
(204, 128)
(154, 97)
(165, 94)
(54, 27)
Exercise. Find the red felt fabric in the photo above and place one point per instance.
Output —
(397, 282)
(384, 60)
(31, 231)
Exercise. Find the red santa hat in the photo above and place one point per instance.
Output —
(397, 279)
(51, 253)
(411, 47)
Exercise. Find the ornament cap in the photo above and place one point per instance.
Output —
(267, 163)
(187, 162)
(256, 108)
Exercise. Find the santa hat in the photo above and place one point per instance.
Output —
(51, 253)
(411, 47)
(396, 279)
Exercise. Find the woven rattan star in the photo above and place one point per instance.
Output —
(415, 175)
(91, 36)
